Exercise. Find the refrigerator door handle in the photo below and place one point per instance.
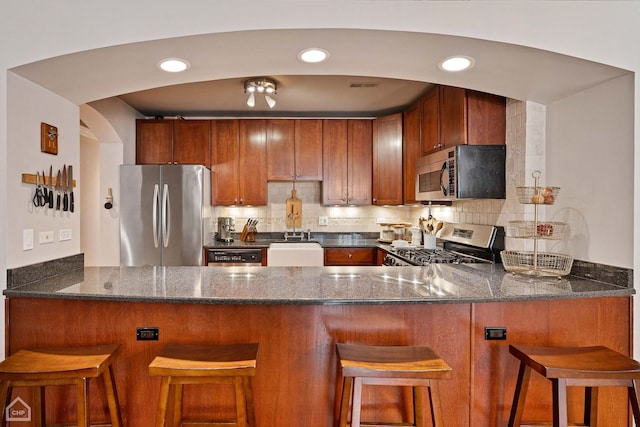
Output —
(156, 203)
(166, 211)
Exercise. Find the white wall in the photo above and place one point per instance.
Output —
(589, 154)
(31, 105)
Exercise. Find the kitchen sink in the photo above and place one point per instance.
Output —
(295, 254)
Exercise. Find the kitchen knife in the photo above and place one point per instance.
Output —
(58, 186)
(65, 197)
(45, 189)
(70, 187)
(50, 187)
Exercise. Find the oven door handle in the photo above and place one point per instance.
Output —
(445, 189)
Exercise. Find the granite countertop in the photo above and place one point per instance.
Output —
(435, 283)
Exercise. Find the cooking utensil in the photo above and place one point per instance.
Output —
(58, 189)
(50, 187)
(38, 198)
(65, 197)
(70, 188)
(294, 210)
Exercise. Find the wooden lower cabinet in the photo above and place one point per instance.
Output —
(297, 376)
(350, 256)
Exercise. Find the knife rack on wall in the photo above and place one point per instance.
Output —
(30, 178)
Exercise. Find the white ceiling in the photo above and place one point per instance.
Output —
(403, 63)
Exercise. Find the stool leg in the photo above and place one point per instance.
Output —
(524, 373)
(248, 391)
(345, 402)
(418, 409)
(560, 402)
(591, 406)
(177, 404)
(241, 403)
(357, 402)
(112, 397)
(163, 402)
(436, 408)
(634, 399)
(39, 409)
(5, 397)
(82, 386)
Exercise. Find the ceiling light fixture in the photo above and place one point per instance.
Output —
(456, 63)
(261, 85)
(313, 55)
(173, 65)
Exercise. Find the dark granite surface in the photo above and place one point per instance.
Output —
(436, 283)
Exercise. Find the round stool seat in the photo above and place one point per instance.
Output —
(414, 366)
(61, 366)
(180, 364)
(591, 367)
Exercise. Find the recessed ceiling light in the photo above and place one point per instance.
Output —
(173, 65)
(456, 63)
(313, 55)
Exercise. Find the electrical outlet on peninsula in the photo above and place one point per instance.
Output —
(323, 221)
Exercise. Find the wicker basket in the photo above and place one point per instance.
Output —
(544, 264)
(541, 230)
(538, 195)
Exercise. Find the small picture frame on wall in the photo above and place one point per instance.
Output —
(48, 139)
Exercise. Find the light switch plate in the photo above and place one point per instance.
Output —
(27, 239)
(64, 234)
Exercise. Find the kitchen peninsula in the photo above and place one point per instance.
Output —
(297, 315)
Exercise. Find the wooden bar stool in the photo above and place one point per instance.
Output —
(414, 366)
(204, 364)
(38, 368)
(591, 367)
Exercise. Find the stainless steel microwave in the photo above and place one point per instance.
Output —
(462, 172)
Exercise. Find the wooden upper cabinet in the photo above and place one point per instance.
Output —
(387, 160)
(464, 117)
(154, 142)
(453, 116)
(308, 150)
(412, 150)
(280, 150)
(430, 121)
(252, 163)
(173, 142)
(360, 161)
(347, 162)
(224, 162)
(486, 118)
(294, 150)
(334, 148)
(192, 142)
(238, 163)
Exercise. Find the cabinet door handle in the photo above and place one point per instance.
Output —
(350, 255)
(241, 201)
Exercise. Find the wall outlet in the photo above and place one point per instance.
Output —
(64, 234)
(381, 221)
(147, 334)
(46, 237)
(27, 239)
(323, 220)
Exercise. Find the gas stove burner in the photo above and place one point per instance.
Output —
(433, 256)
(458, 244)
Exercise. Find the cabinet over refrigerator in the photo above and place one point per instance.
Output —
(165, 214)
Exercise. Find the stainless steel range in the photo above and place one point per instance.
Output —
(458, 244)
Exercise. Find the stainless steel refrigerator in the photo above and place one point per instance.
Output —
(165, 214)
